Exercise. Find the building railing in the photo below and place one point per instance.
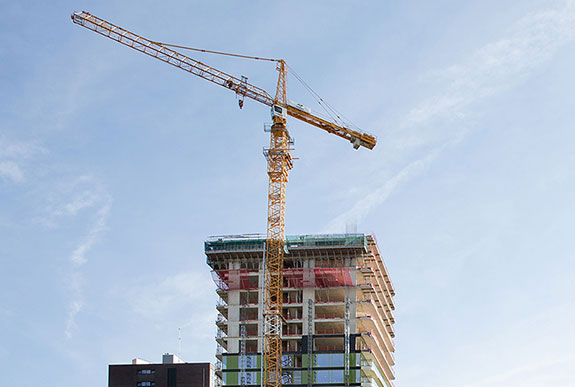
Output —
(324, 316)
(329, 331)
(326, 348)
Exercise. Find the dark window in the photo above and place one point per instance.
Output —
(171, 377)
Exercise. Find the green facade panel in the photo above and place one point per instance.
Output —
(322, 369)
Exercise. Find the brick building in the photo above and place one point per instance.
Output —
(172, 372)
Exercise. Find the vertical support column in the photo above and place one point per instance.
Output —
(261, 311)
(310, 318)
(261, 305)
(243, 335)
(219, 366)
(346, 342)
(234, 310)
(249, 373)
(279, 164)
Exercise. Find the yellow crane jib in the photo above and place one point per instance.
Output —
(238, 85)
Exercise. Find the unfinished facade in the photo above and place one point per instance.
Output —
(337, 304)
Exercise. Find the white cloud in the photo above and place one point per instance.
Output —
(9, 170)
(379, 195)
(185, 300)
(85, 199)
(83, 195)
(75, 285)
(12, 155)
(178, 301)
(171, 294)
(18, 149)
(533, 373)
(492, 69)
(73, 197)
(90, 199)
(73, 309)
(497, 66)
(78, 256)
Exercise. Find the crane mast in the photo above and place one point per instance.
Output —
(279, 163)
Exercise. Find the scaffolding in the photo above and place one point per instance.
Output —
(337, 286)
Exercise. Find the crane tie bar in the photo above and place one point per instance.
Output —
(216, 52)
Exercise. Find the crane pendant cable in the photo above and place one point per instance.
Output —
(216, 52)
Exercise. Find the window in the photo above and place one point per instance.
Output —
(291, 377)
(249, 378)
(251, 361)
(146, 372)
(146, 384)
(328, 360)
(328, 376)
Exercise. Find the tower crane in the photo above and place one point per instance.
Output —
(279, 163)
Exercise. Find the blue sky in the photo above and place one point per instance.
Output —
(115, 167)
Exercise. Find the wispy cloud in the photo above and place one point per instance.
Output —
(71, 197)
(10, 170)
(18, 149)
(80, 201)
(492, 69)
(171, 293)
(499, 65)
(78, 256)
(533, 373)
(181, 301)
(86, 196)
(80, 196)
(12, 155)
(73, 309)
(379, 195)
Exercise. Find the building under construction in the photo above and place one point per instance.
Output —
(337, 305)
